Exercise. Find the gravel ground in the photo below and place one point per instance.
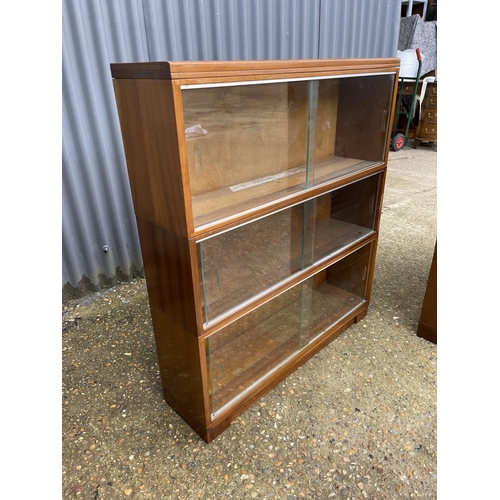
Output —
(356, 421)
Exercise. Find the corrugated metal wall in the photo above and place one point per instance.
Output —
(97, 206)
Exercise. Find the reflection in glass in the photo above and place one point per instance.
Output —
(239, 265)
(253, 144)
(250, 349)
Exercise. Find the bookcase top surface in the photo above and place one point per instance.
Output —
(185, 70)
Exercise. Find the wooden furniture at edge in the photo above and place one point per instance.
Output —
(423, 127)
(427, 122)
(257, 189)
(427, 325)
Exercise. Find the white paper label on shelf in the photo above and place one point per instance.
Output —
(268, 178)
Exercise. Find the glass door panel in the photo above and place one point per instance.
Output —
(246, 145)
(345, 215)
(335, 292)
(239, 265)
(247, 351)
(251, 144)
(352, 120)
(244, 352)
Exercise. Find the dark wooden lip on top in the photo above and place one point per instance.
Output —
(171, 70)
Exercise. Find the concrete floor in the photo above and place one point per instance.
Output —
(356, 421)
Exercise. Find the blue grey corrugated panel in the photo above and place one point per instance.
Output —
(96, 201)
(232, 30)
(97, 205)
(359, 28)
(271, 29)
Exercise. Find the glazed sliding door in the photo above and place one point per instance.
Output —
(238, 266)
(252, 144)
(249, 350)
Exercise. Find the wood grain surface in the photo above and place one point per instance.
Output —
(227, 70)
(259, 234)
(147, 119)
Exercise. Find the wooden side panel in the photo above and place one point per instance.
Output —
(180, 370)
(169, 276)
(147, 119)
(427, 325)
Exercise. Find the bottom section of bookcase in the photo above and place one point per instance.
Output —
(211, 380)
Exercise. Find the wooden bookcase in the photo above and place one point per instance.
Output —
(257, 189)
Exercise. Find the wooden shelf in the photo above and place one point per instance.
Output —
(333, 235)
(259, 270)
(271, 341)
(226, 202)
